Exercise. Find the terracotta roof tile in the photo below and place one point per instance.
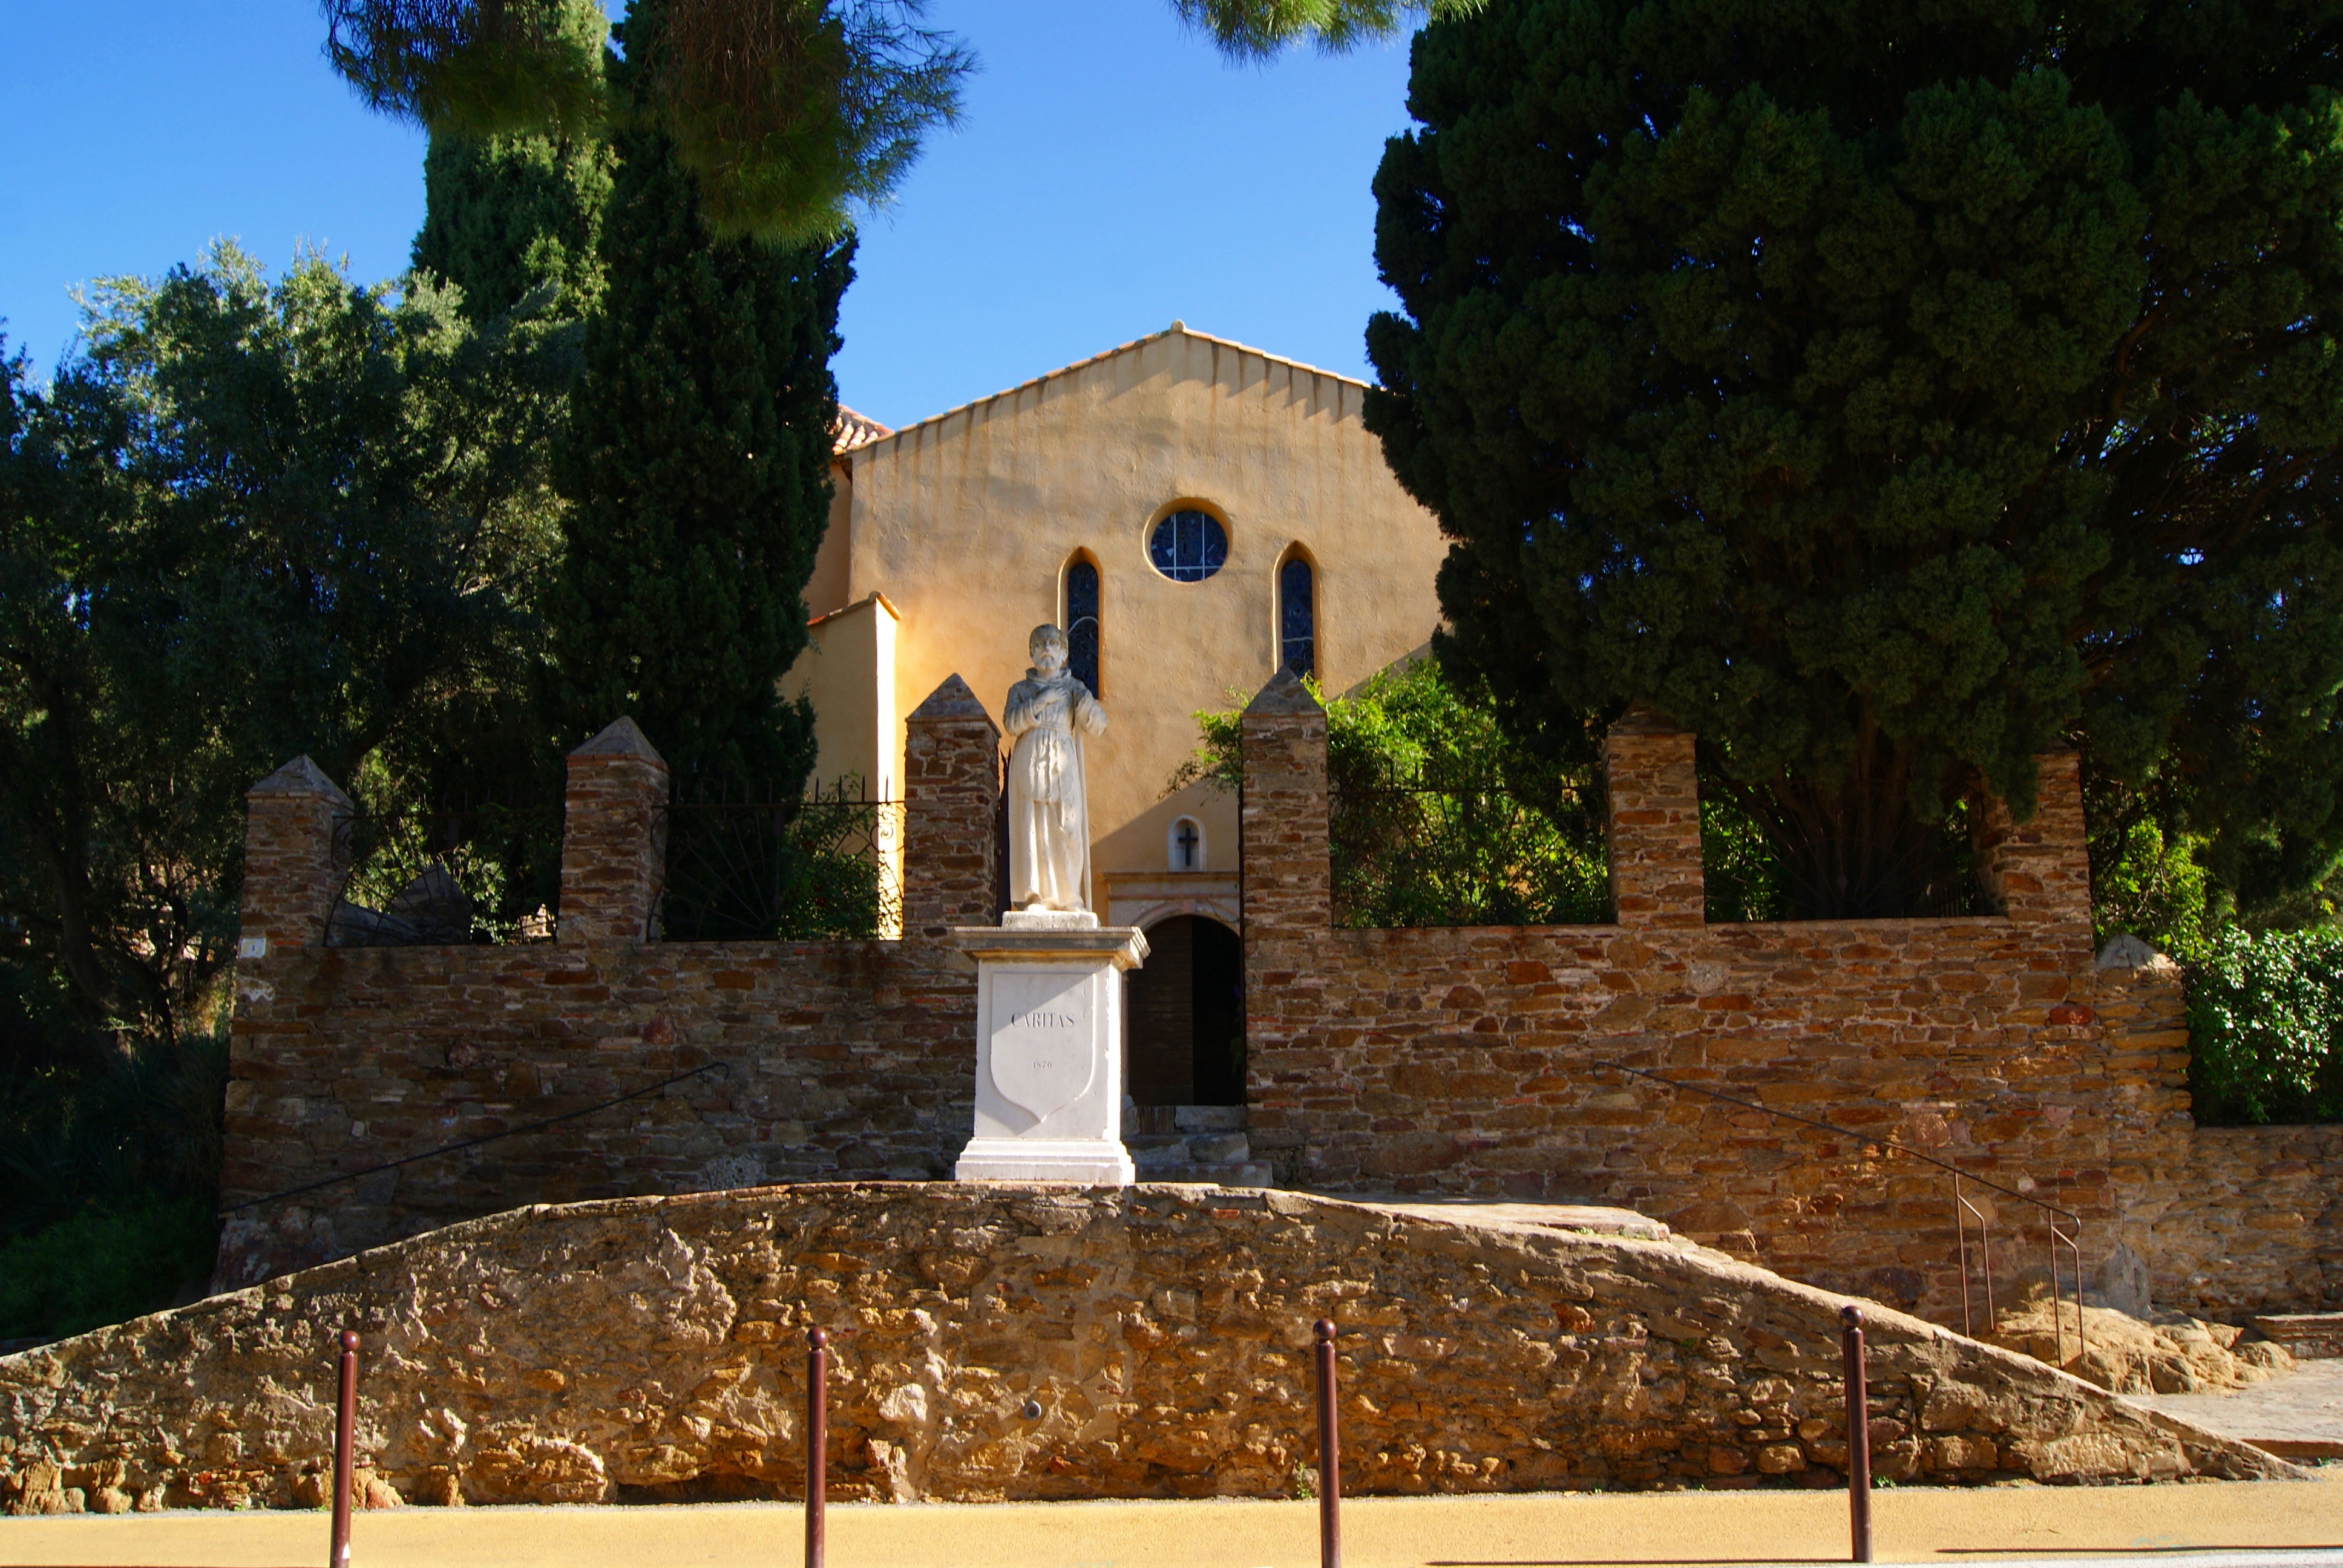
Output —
(855, 430)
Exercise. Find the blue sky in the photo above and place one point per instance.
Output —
(1113, 173)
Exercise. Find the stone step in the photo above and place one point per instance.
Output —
(1135, 1141)
(1249, 1173)
(1210, 1150)
(1220, 1148)
(2310, 1336)
(1148, 1120)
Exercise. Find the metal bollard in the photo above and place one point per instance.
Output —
(345, 1414)
(1329, 1454)
(817, 1430)
(1858, 1438)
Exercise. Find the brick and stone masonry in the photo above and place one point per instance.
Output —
(613, 837)
(295, 856)
(838, 1058)
(1655, 870)
(1464, 1061)
(1472, 1061)
(951, 765)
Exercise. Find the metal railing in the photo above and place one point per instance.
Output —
(484, 870)
(1329, 1488)
(2062, 1227)
(829, 864)
(1443, 846)
(720, 1069)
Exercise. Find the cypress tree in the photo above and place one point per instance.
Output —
(696, 470)
(515, 222)
(1888, 392)
(506, 216)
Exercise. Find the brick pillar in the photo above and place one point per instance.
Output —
(1283, 848)
(613, 838)
(292, 863)
(1655, 828)
(2037, 872)
(951, 794)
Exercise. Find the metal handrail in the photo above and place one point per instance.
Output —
(721, 1068)
(2070, 1238)
(1963, 1208)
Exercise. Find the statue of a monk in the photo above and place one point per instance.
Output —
(1048, 714)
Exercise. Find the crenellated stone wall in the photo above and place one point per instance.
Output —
(822, 1058)
(1488, 1061)
(1468, 1061)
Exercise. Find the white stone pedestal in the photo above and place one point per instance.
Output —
(1049, 1054)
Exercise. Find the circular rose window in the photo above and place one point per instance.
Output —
(1188, 547)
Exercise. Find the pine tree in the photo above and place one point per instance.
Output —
(1889, 392)
(697, 468)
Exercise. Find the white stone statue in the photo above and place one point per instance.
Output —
(1048, 713)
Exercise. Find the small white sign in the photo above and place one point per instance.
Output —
(252, 946)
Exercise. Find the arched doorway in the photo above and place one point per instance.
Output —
(1184, 1016)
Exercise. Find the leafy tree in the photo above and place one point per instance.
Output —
(252, 519)
(1888, 393)
(2147, 877)
(513, 222)
(696, 464)
(248, 520)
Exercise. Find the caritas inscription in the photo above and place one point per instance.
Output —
(1042, 1060)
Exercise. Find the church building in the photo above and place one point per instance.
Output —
(1195, 514)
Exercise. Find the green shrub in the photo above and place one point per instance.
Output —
(1435, 817)
(105, 1264)
(2266, 1027)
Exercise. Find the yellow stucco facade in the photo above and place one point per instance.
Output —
(950, 542)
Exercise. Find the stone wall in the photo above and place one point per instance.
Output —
(952, 767)
(829, 1059)
(1486, 1061)
(2231, 1220)
(1470, 1060)
(1000, 1341)
(842, 1057)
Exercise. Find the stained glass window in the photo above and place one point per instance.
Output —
(1082, 623)
(1188, 547)
(1297, 618)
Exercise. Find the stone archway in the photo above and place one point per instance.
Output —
(1184, 1016)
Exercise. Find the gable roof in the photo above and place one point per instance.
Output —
(1178, 328)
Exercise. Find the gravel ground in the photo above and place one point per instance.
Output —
(2188, 1524)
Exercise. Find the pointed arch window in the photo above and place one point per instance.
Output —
(1082, 621)
(1297, 615)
